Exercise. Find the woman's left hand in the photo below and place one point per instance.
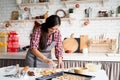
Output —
(60, 63)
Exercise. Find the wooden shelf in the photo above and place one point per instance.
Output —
(102, 18)
(35, 4)
(67, 19)
(80, 1)
(83, 1)
(40, 20)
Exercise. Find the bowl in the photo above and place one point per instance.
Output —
(81, 70)
(93, 67)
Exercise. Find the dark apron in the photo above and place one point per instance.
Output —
(33, 61)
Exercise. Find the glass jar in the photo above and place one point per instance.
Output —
(18, 1)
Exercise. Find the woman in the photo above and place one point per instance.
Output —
(43, 39)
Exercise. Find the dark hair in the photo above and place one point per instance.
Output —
(50, 22)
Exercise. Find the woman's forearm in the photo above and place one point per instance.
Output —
(60, 62)
(37, 53)
(59, 59)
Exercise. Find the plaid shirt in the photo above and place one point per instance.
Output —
(34, 43)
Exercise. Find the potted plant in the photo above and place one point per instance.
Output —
(71, 13)
(118, 11)
(112, 13)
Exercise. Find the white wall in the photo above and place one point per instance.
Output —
(110, 28)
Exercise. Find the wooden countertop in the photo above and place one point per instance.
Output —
(72, 56)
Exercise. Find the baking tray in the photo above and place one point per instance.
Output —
(58, 74)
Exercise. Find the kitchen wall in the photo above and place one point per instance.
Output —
(110, 28)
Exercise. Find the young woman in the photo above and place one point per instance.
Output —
(43, 39)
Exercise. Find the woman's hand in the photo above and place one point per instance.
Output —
(37, 53)
(60, 63)
(49, 61)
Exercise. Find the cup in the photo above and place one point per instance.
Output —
(71, 10)
(92, 67)
(85, 51)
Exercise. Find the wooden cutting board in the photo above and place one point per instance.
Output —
(70, 44)
(83, 42)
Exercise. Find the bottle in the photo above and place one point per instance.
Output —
(90, 11)
(29, 15)
(20, 14)
(46, 15)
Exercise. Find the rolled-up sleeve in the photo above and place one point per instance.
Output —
(58, 46)
(34, 42)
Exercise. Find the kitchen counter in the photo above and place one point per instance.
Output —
(71, 56)
(99, 75)
(90, 57)
(110, 63)
(16, 55)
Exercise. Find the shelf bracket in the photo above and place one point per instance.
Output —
(102, 2)
(65, 4)
(70, 21)
(47, 5)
